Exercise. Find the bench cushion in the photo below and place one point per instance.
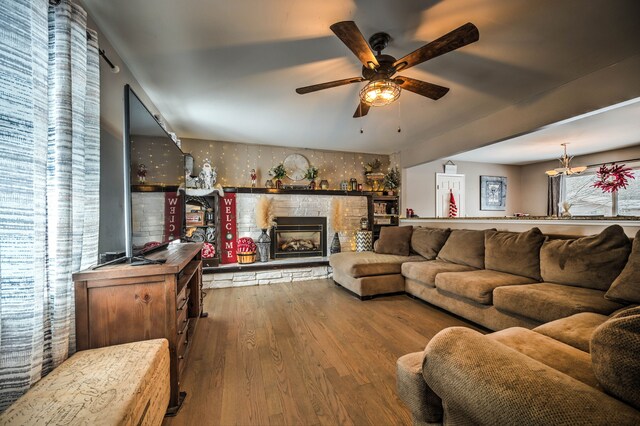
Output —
(425, 272)
(368, 263)
(546, 302)
(593, 261)
(477, 285)
(115, 385)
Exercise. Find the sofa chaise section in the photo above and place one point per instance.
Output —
(369, 274)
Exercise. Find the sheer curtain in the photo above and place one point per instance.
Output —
(49, 179)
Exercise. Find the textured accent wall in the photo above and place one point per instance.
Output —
(235, 161)
(302, 205)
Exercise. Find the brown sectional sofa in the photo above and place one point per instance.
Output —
(553, 302)
(529, 278)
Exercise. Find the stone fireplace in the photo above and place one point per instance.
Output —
(297, 236)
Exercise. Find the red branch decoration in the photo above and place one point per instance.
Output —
(612, 178)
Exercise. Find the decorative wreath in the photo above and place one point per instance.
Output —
(612, 178)
(208, 251)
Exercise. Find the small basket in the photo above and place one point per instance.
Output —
(248, 257)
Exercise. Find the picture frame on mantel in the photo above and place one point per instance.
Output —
(493, 193)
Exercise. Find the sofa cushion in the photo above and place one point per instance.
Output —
(464, 247)
(615, 346)
(560, 356)
(368, 263)
(426, 272)
(477, 285)
(626, 287)
(591, 262)
(575, 330)
(427, 242)
(514, 252)
(546, 302)
(394, 240)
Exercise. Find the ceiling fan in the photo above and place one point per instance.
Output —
(379, 69)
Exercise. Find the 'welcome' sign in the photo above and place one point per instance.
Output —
(172, 215)
(228, 227)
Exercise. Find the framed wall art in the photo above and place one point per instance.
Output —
(493, 193)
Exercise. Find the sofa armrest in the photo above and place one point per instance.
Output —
(484, 381)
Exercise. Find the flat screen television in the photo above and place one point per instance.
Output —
(153, 171)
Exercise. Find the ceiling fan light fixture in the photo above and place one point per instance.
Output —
(380, 92)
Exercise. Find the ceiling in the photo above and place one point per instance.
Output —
(222, 70)
(617, 126)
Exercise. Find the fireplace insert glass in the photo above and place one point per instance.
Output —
(299, 237)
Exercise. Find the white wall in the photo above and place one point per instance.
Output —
(111, 234)
(534, 180)
(419, 183)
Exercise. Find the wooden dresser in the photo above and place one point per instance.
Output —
(124, 303)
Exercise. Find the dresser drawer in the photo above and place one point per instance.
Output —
(182, 346)
(183, 296)
(182, 318)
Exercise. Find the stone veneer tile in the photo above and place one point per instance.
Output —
(285, 275)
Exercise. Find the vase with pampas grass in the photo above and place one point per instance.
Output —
(265, 221)
(337, 221)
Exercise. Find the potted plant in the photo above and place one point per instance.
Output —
(278, 173)
(392, 180)
(311, 174)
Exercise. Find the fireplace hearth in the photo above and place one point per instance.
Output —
(296, 236)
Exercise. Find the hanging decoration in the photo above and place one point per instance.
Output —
(453, 208)
(613, 178)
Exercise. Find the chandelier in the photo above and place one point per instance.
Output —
(380, 92)
(565, 166)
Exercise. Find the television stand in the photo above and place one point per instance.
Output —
(125, 303)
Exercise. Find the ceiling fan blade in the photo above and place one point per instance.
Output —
(423, 88)
(362, 110)
(348, 32)
(328, 85)
(466, 34)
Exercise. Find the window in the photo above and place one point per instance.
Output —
(629, 199)
(586, 200)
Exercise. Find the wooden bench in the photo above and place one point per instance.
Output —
(116, 385)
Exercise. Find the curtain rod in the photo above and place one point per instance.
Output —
(114, 68)
(616, 162)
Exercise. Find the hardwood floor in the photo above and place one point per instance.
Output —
(302, 353)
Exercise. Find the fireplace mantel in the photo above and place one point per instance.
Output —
(336, 192)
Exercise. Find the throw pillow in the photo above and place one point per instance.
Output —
(614, 354)
(427, 242)
(515, 253)
(464, 247)
(626, 288)
(591, 262)
(394, 240)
